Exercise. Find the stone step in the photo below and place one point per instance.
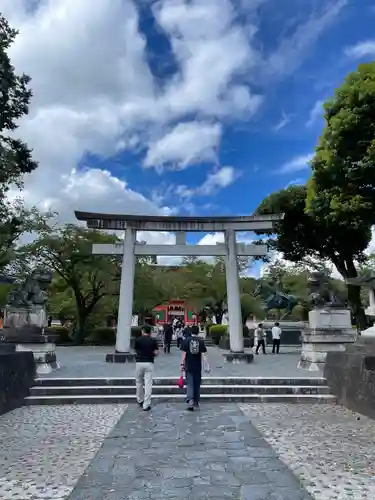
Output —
(174, 389)
(165, 381)
(179, 398)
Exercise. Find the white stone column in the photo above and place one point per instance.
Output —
(125, 307)
(233, 293)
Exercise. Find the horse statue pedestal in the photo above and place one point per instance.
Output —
(329, 330)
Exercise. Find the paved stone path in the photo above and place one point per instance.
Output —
(331, 449)
(169, 453)
(44, 450)
(90, 362)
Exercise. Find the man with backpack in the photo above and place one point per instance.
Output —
(193, 351)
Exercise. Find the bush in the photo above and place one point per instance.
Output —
(107, 335)
(102, 336)
(216, 332)
(63, 332)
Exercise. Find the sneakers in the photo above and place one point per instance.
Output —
(140, 404)
(148, 408)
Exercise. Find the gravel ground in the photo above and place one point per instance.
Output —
(44, 450)
(329, 448)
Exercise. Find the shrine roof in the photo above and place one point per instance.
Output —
(177, 223)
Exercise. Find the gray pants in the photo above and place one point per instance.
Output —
(144, 373)
(193, 387)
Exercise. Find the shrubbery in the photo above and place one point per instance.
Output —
(216, 332)
(107, 335)
(102, 336)
(63, 332)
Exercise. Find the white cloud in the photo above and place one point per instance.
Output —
(215, 181)
(186, 144)
(211, 50)
(361, 49)
(293, 48)
(220, 179)
(94, 92)
(283, 122)
(315, 113)
(296, 164)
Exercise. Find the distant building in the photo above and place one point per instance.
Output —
(172, 309)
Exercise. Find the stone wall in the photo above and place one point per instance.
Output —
(351, 377)
(17, 373)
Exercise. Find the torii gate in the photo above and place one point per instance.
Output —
(230, 250)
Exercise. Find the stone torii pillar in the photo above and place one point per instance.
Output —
(233, 293)
(125, 308)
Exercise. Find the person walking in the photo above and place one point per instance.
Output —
(180, 336)
(276, 335)
(261, 335)
(193, 351)
(168, 335)
(146, 348)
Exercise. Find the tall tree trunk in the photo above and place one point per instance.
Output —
(355, 303)
(347, 269)
(80, 328)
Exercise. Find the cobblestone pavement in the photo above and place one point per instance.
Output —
(90, 362)
(44, 450)
(214, 453)
(331, 449)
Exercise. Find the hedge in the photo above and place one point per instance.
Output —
(216, 332)
(62, 331)
(107, 335)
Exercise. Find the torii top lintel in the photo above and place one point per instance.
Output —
(177, 223)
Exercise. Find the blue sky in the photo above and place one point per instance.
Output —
(267, 149)
(179, 106)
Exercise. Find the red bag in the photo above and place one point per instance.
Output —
(181, 382)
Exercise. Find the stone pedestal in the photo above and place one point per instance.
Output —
(31, 338)
(44, 356)
(329, 330)
(238, 357)
(17, 317)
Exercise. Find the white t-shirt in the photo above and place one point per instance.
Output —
(276, 332)
(260, 333)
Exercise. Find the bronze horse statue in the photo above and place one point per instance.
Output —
(276, 299)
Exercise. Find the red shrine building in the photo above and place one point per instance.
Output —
(166, 313)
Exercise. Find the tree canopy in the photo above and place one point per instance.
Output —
(15, 156)
(331, 217)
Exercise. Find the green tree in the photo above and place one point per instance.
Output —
(251, 306)
(343, 183)
(148, 292)
(15, 156)
(68, 252)
(202, 285)
(342, 189)
(302, 235)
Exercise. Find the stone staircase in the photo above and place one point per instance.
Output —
(56, 391)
